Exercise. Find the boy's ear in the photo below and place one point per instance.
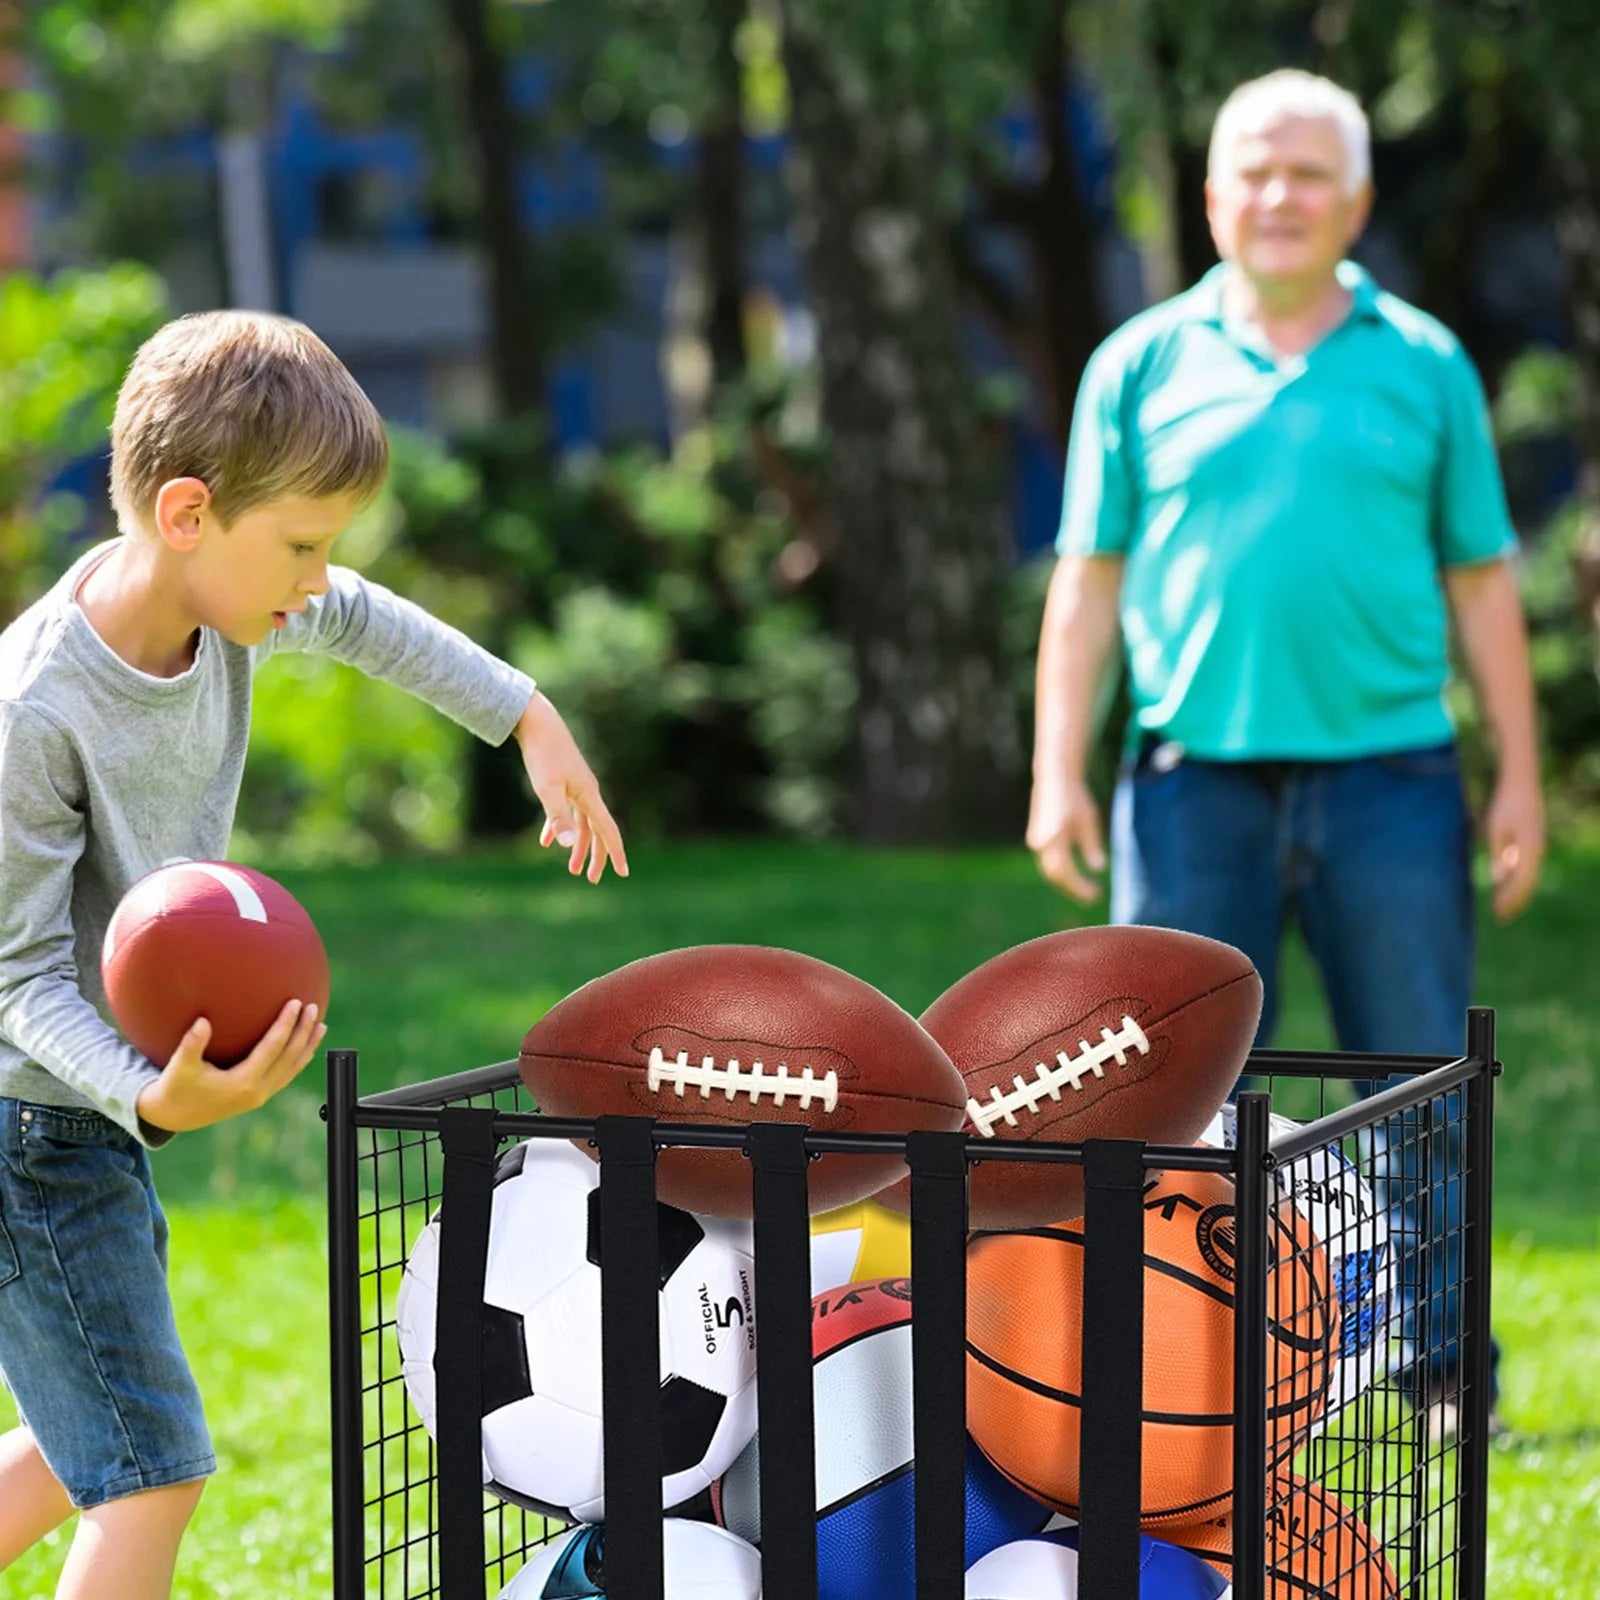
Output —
(180, 507)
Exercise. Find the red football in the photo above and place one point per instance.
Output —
(209, 939)
(738, 1034)
(1095, 1033)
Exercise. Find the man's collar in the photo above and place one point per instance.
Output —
(1354, 278)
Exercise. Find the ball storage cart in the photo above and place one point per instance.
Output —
(411, 1518)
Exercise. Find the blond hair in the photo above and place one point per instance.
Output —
(255, 406)
(1291, 93)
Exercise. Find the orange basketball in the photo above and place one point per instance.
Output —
(1024, 1347)
(1317, 1549)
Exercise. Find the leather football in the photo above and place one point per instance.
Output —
(736, 1034)
(209, 939)
(1093, 1033)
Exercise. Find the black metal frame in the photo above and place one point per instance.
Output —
(469, 1134)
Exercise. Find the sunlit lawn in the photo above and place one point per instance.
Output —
(442, 966)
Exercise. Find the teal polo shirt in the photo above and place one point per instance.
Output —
(1284, 522)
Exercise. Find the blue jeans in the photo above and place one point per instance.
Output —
(1371, 859)
(88, 1345)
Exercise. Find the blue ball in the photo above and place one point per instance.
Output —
(866, 1547)
(866, 1456)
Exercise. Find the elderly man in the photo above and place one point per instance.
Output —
(1280, 488)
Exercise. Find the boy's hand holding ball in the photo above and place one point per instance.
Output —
(217, 972)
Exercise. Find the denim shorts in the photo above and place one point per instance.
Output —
(88, 1345)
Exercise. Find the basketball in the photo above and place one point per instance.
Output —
(1317, 1548)
(1344, 1214)
(208, 939)
(1024, 1356)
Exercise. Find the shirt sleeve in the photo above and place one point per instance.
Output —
(1098, 501)
(371, 628)
(43, 1011)
(1472, 522)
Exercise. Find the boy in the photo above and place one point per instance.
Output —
(240, 448)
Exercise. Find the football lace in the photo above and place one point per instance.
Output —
(708, 1076)
(1048, 1081)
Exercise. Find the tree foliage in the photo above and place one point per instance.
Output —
(64, 344)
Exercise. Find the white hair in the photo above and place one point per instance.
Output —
(1258, 104)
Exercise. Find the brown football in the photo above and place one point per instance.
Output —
(738, 1034)
(209, 939)
(1094, 1033)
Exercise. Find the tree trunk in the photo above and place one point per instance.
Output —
(1129, 56)
(1049, 329)
(918, 493)
(1063, 241)
(498, 803)
(515, 358)
(721, 184)
(704, 345)
(1577, 162)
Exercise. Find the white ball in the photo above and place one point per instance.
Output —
(1338, 1203)
(542, 1439)
(857, 1243)
(1045, 1567)
(699, 1562)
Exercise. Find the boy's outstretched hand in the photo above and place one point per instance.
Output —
(576, 817)
(193, 1093)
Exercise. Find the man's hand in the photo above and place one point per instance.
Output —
(1064, 835)
(192, 1093)
(576, 817)
(1488, 613)
(1514, 834)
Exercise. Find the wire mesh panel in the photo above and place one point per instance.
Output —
(398, 1183)
(1366, 1500)
(1353, 1241)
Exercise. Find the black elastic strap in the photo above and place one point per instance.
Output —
(1254, 1190)
(1110, 1440)
(788, 1479)
(630, 1348)
(938, 1358)
(466, 1135)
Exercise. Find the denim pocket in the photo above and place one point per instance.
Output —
(57, 1144)
(10, 1266)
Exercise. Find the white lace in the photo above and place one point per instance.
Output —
(755, 1080)
(1068, 1072)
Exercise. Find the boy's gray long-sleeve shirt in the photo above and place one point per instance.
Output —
(106, 773)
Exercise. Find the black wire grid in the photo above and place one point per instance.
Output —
(411, 1520)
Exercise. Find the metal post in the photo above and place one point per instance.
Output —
(1475, 1306)
(344, 1326)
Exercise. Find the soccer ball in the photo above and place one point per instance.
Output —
(1330, 1193)
(699, 1562)
(542, 1441)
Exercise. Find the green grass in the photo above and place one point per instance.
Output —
(443, 966)
(250, 1288)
